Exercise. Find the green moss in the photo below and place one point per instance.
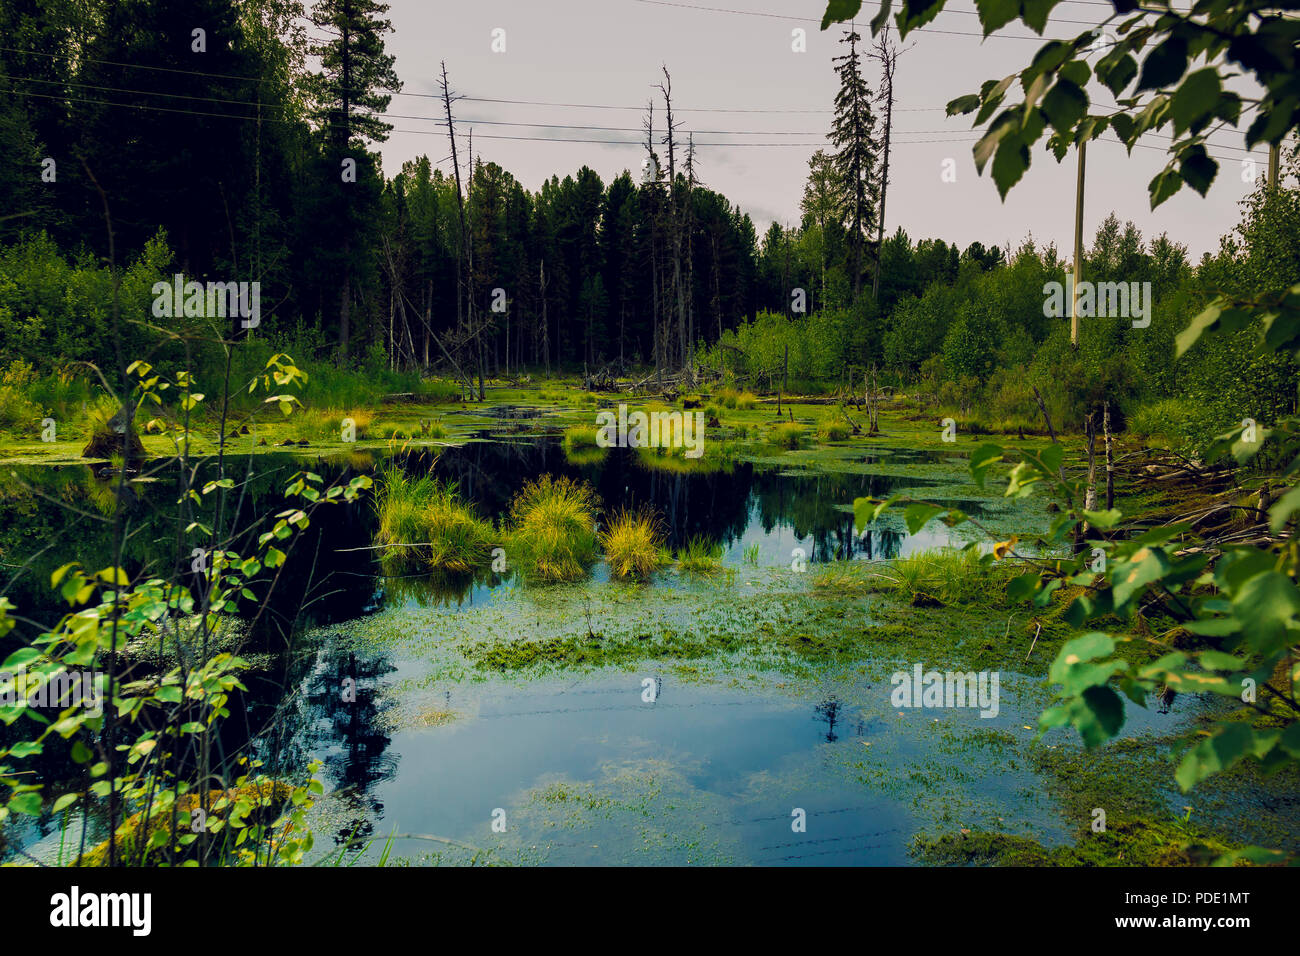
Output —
(1138, 842)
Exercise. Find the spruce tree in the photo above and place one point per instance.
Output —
(853, 133)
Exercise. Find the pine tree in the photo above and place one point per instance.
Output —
(354, 84)
(853, 133)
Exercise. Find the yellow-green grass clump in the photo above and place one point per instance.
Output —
(633, 544)
(423, 521)
(333, 424)
(580, 438)
(552, 528)
(787, 434)
(832, 430)
(730, 398)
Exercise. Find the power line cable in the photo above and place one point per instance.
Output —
(550, 139)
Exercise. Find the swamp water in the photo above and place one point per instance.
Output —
(729, 718)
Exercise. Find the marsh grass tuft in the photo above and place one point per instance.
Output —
(787, 434)
(580, 438)
(633, 544)
(832, 430)
(700, 556)
(326, 424)
(948, 576)
(424, 522)
(552, 528)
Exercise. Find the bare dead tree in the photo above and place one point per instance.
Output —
(464, 267)
(675, 214)
(887, 54)
(652, 179)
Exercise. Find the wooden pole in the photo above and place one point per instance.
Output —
(1274, 160)
(1078, 249)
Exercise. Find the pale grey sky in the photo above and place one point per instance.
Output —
(608, 53)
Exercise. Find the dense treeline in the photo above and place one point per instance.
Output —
(237, 141)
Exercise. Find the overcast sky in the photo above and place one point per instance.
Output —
(608, 53)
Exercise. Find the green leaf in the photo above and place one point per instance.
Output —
(1064, 105)
(1022, 586)
(1081, 649)
(917, 515)
(1036, 13)
(28, 803)
(1193, 104)
(1130, 578)
(964, 104)
(25, 748)
(1198, 169)
(1164, 65)
(1119, 74)
(1103, 520)
(837, 11)
(1163, 185)
(169, 694)
(20, 658)
(867, 510)
(1098, 715)
(1267, 605)
(1281, 512)
(995, 14)
(983, 458)
(1229, 744)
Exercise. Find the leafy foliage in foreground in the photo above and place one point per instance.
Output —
(136, 736)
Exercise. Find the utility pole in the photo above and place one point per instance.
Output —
(1078, 249)
(1274, 160)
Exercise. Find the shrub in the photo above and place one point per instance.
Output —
(16, 410)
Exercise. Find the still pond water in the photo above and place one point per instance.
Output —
(715, 759)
